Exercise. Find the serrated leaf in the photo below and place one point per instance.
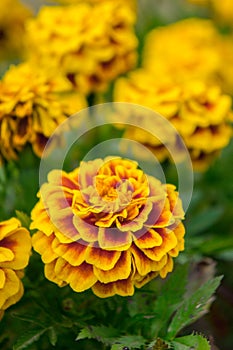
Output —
(131, 341)
(28, 338)
(103, 334)
(193, 307)
(170, 298)
(194, 342)
(23, 218)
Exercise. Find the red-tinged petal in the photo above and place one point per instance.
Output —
(80, 277)
(123, 288)
(138, 222)
(114, 239)
(143, 264)
(167, 268)
(19, 244)
(147, 239)
(42, 244)
(6, 227)
(120, 271)
(63, 221)
(88, 232)
(169, 242)
(102, 259)
(74, 253)
(61, 178)
(50, 274)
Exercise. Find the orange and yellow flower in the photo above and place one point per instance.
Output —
(91, 44)
(32, 104)
(15, 249)
(13, 15)
(200, 112)
(107, 226)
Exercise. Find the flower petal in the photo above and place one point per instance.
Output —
(88, 232)
(169, 242)
(114, 239)
(42, 244)
(20, 251)
(120, 271)
(148, 239)
(123, 288)
(102, 259)
(74, 253)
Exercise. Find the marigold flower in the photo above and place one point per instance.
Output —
(13, 15)
(90, 44)
(107, 226)
(32, 105)
(195, 56)
(15, 248)
(200, 113)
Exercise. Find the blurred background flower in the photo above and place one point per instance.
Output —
(200, 112)
(91, 53)
(13, 15)
(32, 104)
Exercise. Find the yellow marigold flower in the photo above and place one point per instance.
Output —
(195, 56)
(200, 113)
(32, 105)
(15, 248)
(13, 14)
(90, 44)
(107, 226)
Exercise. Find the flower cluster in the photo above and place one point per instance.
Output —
(89, 51)
(15, 248)
(201, 113)
(107, 226)
(13, 15)
(32, 105)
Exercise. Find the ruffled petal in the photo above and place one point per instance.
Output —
(114, 239)
(169, 242)
(122, 288)
(120, 271)
(102, 259)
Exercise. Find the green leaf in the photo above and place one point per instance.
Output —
(52, 334)
(23, 218)
(193, 307)
(194, 342)
(103, 334)
(131, 341)
(28, 338)
(170, 298)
